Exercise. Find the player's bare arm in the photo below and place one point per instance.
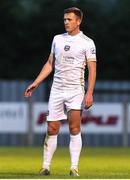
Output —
(88, 99)
(46, 70)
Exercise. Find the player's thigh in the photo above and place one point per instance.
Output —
(74, 100)
(74, 119)
(56, 107)
(53, 127)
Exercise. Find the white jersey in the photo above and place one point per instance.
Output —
(70, 54)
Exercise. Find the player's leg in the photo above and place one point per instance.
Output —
(74, 105)
(50, 145)
(74, 118)
(56, 113)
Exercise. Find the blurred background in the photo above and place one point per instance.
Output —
(27, 28)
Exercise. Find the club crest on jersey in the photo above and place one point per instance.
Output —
(67, 48)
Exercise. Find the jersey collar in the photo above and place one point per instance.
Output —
(77, 35)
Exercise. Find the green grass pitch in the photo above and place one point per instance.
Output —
(95, 163)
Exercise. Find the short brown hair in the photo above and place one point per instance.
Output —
(74, 10)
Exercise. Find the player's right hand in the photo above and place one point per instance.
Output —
(28, 92)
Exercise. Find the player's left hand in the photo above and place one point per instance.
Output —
(88, 100)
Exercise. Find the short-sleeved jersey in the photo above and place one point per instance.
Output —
(71, 54)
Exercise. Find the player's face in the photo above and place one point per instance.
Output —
(72, 23)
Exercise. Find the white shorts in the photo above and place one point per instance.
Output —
(60, 102)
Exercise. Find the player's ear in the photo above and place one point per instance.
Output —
(79, 22)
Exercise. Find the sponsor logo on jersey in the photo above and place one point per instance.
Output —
(93, 51)
(68, 60)
(67, 48)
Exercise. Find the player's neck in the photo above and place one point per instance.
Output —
(75, 32)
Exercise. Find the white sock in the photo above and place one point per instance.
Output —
(75, 149)
(50, 145)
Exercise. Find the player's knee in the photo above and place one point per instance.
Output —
(53, 130)
(74, 130)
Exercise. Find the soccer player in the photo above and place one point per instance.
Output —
(70, 53)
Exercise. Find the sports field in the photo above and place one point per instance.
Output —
(25, 162)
